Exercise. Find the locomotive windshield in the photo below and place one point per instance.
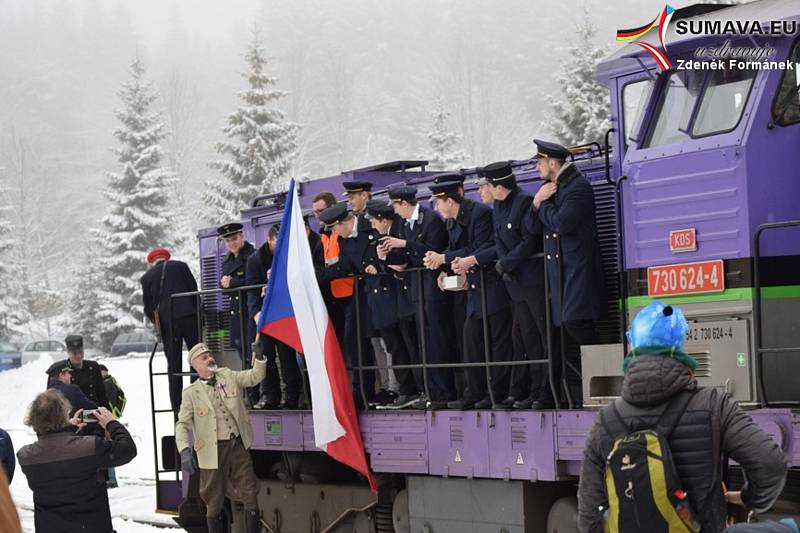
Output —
(719, 97)
(786, 109)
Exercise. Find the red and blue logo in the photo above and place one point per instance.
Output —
(662, 22)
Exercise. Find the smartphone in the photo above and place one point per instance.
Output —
(88, 417)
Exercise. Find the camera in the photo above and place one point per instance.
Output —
(88, 417)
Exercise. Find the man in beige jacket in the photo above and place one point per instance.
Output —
(212, 408)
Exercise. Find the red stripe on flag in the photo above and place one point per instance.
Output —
(347, 449)
(285, 330)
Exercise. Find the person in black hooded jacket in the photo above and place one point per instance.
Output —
(66, 471)
(712, 426)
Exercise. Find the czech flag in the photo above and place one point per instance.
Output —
(294, 313)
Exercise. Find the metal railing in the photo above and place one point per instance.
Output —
(757, 310)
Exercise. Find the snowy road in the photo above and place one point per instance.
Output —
(135, 496)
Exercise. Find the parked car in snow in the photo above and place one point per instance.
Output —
(54, 350)
(10, 356)
(138, 340)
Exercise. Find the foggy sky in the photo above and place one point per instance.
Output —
(363, 78)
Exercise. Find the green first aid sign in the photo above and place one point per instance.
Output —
(741, 360)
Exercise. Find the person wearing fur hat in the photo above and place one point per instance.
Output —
(175, 321)
(213, 410)
(705, 424)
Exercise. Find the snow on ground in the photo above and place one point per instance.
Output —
(135, 496)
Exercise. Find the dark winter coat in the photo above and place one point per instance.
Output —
(66, 473)
(571, 235)
(235, 267)
(74, 395)
(257, 266)
(713, 425)
(518, 238)
(89, 379)
(471, 234)
(7, 454)
(355, 254)
(428, 234)
(177, 278)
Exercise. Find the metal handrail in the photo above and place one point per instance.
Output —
(757, 314)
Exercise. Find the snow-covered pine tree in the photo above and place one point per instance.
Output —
(261, 147)
(140, 213)
(443, 144)
(82, 303)
(580, 113)
(13, 313)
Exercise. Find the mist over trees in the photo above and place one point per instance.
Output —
(364, 79)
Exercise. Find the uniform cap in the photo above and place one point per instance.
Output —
(379, 209)
(446, 188)
(229, 229)
(449, 177)
(74, 343)
(198, 349)
(333, 215)
(497, 172)
(551, 149)
(356, 186)
(403, 192)
(59, 367)
(158, 253)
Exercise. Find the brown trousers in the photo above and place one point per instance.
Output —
(234, 477)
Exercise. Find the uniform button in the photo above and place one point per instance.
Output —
(548, 256)
(556, 256)
(473, 285)
(376, 290)
(509, 225)
(547, 236)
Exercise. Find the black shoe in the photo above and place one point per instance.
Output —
(385, 397)
(508, 403)
(267, 403)
(290, 405)
(486, 403)
(252, 522)
(542, 405)
(524, 404)
(420, 403)
(438, 405)
(460, 405)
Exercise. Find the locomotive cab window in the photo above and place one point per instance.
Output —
(634, 98)
(723, 101)
(678, 96)
(786, 107)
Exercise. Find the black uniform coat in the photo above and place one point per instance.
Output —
(405, 303)
(89, 379)
(355, 254)
(177, 278)
(66, 474)
(429, 233)
(570, 215)
(517, 239)
(256, 274)
(471, 233)
(76, 398)
(235, 266)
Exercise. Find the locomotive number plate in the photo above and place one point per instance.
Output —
(686, 278)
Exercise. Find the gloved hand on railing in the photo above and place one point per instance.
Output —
(503, 274)
(188, 461)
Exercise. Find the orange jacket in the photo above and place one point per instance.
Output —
(342, 287)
